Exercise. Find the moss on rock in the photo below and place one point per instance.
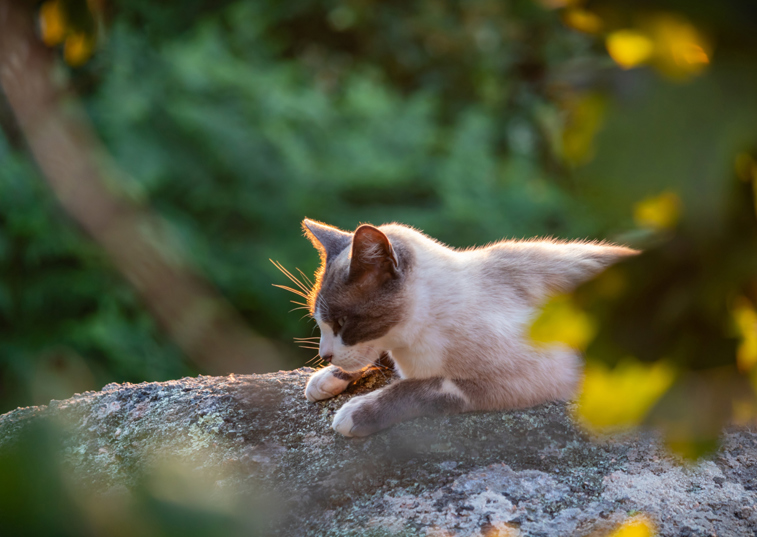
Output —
(252, 449)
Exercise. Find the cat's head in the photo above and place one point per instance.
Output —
(360, 292)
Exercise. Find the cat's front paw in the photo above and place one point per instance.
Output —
(326, 383)
(355, 417)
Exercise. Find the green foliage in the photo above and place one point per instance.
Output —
(677, 301)
(675, 151)
(472, 121)
(67, 322)
(246, 121)
(31, 497)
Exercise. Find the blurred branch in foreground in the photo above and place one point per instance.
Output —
(81, 174)
(670, 337)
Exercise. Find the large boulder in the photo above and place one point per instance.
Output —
(249, 455)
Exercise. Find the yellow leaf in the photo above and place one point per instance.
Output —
(629, 48)
(690, 449)
(78, 48)
(611, 283)
(560, 321)
(621, 396)
(52, 23)
(745, 318)
(746, 168)
(669, 42)
(502, 530)
(585, 116)
(681, 50)
(743, 411)
(639, 526)
(658, 212)
(582, 20)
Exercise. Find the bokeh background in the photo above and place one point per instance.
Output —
(209, 130)
(231, 121)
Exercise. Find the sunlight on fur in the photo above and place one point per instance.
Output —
(455, 323)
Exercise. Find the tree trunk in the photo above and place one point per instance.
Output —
(85, 181)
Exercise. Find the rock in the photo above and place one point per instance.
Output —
(252, 452)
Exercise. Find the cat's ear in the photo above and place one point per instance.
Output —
(330, 241)
(372, 254)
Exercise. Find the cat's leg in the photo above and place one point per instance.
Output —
(329, 382)
(403, 400)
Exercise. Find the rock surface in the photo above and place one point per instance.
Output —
(253, 445)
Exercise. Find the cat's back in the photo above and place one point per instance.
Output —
(486, 267)
(536, 268)
(458, 280)
(516, 270)
(422, 252)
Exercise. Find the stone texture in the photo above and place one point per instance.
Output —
(253, 446)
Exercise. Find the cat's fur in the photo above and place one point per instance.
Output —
(455, 322)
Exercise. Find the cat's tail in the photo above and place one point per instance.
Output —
(542, 268)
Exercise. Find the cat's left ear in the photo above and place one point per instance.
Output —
(372, 254)
(330, 241)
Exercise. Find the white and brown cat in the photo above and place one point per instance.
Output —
(454, 322)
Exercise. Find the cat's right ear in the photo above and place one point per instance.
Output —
(372, 255)
(329, 241)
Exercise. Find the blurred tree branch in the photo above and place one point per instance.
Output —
(9, 127)
(83, 178)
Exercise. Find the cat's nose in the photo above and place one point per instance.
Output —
(327, 357)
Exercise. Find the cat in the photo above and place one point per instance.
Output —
(454, 322)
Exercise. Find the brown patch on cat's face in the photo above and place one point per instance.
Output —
(368, 304)
(368, 309)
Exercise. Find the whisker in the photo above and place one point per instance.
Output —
(322, 303)
(298, 308)
(291, 276)
(298, 303)
(295, 291)
(307, 279)
(316, 357)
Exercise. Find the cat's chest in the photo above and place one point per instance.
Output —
(418, 362)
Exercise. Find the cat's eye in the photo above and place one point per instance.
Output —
(340, 321)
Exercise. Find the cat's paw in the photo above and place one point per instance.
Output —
(324, 384)
(354, 418)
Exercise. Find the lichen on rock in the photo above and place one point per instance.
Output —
(249, 453)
